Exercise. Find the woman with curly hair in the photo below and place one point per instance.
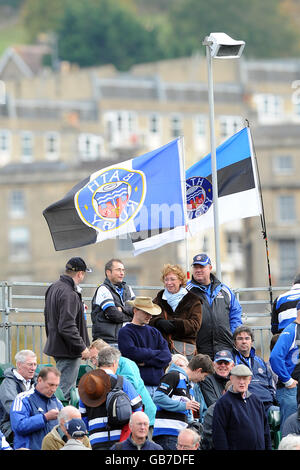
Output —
(181, 316)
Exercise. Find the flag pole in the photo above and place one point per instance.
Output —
(213, 161)
(262, 215)
(182, 160)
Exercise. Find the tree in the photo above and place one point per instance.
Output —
(266, 30)
(96, 32)
(42, 16)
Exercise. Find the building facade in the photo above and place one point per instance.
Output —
(58, 127)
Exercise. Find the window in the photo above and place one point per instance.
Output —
(27, 147)
(230, 125)
(205, 247)
(5, 146)
(124, 243)
(283, 164)
(297, 109)
(269, 107)
(90, 146)
(200, 138)
(132, 280)
(287, 209)
(176, 126)
(121, 128)
(17, 204)
(52, 145)
(234, 243)
(154, 123)
(200, 126)
(126, 121)
(288, 261)
(19, 239)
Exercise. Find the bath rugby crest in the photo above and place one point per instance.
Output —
(111, 198)
(199, 196)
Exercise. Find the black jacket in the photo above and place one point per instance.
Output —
(107, 319)
(220, 316)
(212, 388)
(65, 322)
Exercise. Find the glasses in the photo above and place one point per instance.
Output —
(119, 270)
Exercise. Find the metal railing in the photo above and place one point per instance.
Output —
(22, 318)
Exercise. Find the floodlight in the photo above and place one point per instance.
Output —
(223, 46)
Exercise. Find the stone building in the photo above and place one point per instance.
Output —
(58, 127)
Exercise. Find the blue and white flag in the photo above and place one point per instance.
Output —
(145, 194)
(238, 194)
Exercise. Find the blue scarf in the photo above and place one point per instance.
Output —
(174, 299)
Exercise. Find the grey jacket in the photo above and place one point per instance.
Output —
(9, 389)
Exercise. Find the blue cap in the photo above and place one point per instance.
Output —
(223, 355)
(76, 427)
(202, 259)
(298, 305)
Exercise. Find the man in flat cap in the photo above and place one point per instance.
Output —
(66, 329)
(221, 311)
(239, 419)
(144, 344)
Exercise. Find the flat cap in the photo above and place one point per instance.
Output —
(241, 371)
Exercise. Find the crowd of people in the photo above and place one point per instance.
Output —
(183, 365)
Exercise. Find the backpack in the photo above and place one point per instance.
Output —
(118, 406)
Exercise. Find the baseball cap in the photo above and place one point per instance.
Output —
(76, 427)
(202, 259)
(77, 264)
(223, 355)
(241, 371)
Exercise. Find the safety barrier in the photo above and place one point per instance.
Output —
(22, 318)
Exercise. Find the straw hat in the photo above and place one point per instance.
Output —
(93, 387)
(145, 304)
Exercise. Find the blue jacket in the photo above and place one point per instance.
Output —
(28, 421)
(284, 355)
(262, 383)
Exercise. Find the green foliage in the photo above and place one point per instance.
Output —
(125, 32)
(11, 3)
(101, 32)
(266, 31)
(11, 35)
(42, 16)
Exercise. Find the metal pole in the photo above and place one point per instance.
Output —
(213, 160)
